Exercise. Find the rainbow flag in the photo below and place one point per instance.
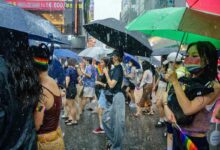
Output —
(186, 141)
(99, 69)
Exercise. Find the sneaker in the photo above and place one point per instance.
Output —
(98, 131)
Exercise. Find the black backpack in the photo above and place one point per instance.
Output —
(193, 87)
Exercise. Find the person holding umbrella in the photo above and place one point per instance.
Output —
(114, 115)
(196, 103)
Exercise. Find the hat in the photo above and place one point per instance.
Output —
(173, 57)
(118, 53)
(165, 62)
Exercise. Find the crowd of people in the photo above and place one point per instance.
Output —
(185, 90)
(184, 95)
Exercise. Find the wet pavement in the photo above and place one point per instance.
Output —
(140, 133)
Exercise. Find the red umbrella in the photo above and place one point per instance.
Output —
(205, 5)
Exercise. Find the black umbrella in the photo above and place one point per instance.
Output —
(15, 18)
(112, 32)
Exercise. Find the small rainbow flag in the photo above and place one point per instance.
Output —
(41, 61)
(186, 140)
(99, 69)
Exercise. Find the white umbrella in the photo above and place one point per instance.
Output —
(95, 52)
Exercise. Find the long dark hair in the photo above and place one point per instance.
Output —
(107, 62)
(146, 65)
(208, 52)
(23, 77)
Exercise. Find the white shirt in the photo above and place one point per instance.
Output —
(147, 78)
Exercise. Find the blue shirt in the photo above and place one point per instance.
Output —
(90, 82)
(72, 73)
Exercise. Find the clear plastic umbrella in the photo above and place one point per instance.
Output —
(95, 52)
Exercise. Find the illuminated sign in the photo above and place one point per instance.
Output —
(57, 5)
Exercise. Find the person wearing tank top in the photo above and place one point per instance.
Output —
(47, 112)
(201, 59)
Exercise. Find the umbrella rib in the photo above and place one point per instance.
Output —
(194, 3)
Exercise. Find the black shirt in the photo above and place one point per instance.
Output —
(117, 75)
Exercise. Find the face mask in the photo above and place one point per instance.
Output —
(193, 64)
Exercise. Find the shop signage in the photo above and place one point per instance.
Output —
(48, 5)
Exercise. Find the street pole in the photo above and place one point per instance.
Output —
(73, 16)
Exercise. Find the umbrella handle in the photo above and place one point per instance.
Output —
(50, 36)
(184, 34)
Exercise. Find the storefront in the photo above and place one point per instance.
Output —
(51, 10)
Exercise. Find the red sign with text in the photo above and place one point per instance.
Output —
(58, 5)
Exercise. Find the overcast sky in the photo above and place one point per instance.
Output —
(106, 9)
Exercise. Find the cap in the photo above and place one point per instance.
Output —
(165, 62)
(174, 57)
(118, 53)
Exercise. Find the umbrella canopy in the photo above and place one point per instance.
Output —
(166, 51)
(15, 18)
(95, 52)
(65, 53)
(151, 60)
(205, 5)
(180, 24)
(112, 32)
(128, 57)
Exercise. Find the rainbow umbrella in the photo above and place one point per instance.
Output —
(205, 5)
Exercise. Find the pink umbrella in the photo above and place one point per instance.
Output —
(205, 5)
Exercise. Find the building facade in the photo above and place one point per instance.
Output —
(133, 8)
(67, 15)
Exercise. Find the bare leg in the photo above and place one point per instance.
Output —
(73, 111)
(132, 96)
(169, 141)
(160, 108)
(68, 108)
(84, 101)
(100, 112)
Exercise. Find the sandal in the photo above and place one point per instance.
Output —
(67, 120)
(72, 123)
(151, 113)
